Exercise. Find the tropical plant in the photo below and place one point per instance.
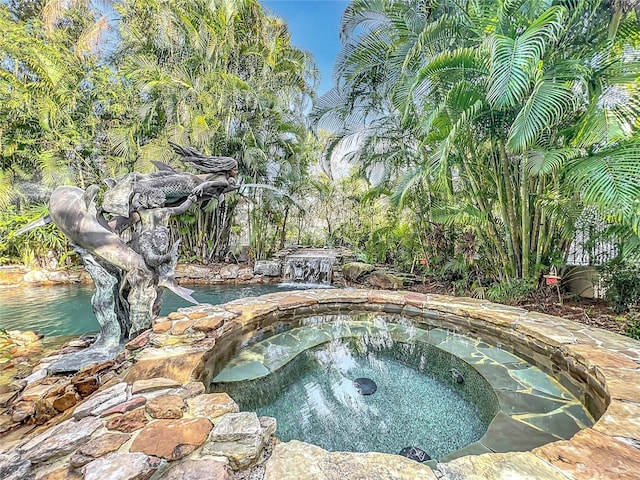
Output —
(223, 77)
(499, 118)
(56, 98)
(33, 246)
(620, 282)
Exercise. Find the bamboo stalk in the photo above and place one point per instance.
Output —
(525, 213)
(509, 208)
(479, 199)
(499, 180)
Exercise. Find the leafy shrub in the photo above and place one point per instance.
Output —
(633, 327)
(621, 281)
(514, 290)
(34, 245)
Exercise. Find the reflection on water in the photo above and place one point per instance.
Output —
(66, 309)
(314, 399)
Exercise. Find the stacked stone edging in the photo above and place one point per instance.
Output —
(188, 274)
(179, 355)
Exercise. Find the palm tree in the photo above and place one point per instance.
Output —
(510, 115)
(221, 76)
(54, 97)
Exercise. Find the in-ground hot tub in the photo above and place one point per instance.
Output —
(437, 391)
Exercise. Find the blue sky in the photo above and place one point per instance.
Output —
(313, 25)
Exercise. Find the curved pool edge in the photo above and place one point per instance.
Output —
(606, 363)
(180, 347)
(535, 408)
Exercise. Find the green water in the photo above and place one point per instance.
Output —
(66, 309)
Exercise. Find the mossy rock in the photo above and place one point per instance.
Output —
(354, 270)
(385, 280)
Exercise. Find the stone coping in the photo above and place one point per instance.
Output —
(529, 404)
(152, 419)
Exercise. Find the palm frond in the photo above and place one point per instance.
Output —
(512, 60)
(609, 179)
(545, 107)
(542, 162)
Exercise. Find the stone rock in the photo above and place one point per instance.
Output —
(621, 419)
(62, 473)
(102, 401)
(128, 422)
(179, 367)
(214, 468)
(191, 389)
(22, 410)
(591, 454)
(37, 375)
(122, 466)
(78, 460)
(296, 460)
(35, 391)
(268, 268)
(9, 388)
(212, 405)
(15, 467)
(151, 384)
(107, 443)
(93, 369)
(44, 411)
(172, 439)
(35, 276)
(354, 270)
(59, 389)
(126, 406)
(168, 341)
(384, 280)
(500, 465)
(139, 342)
(86, 386)
(240, 437)
(58, 276)
(7, 398)
(229, 272)
(65, 402)
(180, 326)
(161, 327)
(166, 406)
(60, 440)
(212, 322)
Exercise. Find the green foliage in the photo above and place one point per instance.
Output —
(33, 245)
(224, 78)
(512, 291)
(500, 118)
(221, 76)
(621, 281)
(632, 328)
(58, 101)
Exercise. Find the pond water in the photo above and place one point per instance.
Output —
(66, 309)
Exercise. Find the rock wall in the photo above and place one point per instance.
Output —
(147, 415)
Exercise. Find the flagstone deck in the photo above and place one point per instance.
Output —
(150, 416)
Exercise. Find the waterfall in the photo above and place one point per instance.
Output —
(314, 267)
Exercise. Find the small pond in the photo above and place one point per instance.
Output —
(62, 310)
(444, 393)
